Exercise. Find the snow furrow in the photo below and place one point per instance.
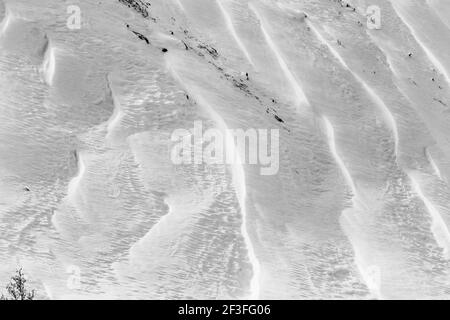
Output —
(389, 117)
(233, 32)
(239, 181)
(302, 100)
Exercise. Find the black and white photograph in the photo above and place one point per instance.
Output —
(224, 150)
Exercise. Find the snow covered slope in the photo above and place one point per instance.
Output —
(92, 206)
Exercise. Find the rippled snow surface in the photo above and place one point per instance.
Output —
(359, 209)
